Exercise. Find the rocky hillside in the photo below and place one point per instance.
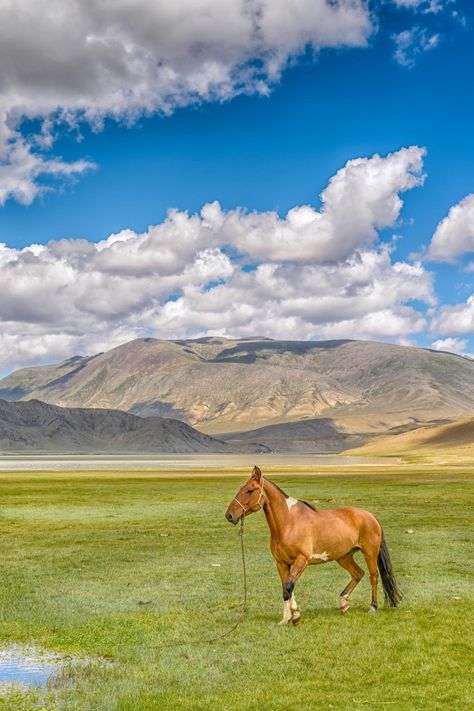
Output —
(311, 436)
(34, 425)
(220, 385)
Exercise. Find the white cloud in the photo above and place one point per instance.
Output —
(456, 319)
(425, 6)
(362, 198)
(410, 44)
(363, 297)
(20, 168)
(308, 275)
(68, 61)
(452, 345)
(454, 236)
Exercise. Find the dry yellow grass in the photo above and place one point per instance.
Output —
(454, 440)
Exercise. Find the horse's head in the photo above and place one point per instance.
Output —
(249, 498)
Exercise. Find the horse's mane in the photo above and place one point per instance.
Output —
(277, 487)
(310, 506)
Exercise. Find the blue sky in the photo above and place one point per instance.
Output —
(256, 152)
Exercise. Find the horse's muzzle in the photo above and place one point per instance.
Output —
(231, 519)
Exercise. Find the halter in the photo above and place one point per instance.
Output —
(257, 504)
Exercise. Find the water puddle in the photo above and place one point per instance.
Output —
(27, 667)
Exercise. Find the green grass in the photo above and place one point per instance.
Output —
(79, 552)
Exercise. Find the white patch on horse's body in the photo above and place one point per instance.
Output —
(291, 502)
(320, 556)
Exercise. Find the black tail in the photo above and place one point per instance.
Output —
(392, 594)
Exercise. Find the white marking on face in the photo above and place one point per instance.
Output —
(291, 502)
(320, 556)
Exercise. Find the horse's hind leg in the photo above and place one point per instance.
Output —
(348, 563)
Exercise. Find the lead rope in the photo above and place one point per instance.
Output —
(213, 640)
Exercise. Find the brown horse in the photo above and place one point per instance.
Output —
(300, 536)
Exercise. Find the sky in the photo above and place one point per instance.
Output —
(294, 169)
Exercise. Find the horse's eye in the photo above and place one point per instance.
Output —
(249, 491)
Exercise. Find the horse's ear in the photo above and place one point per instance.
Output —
(256, 473)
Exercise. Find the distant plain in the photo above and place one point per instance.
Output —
(211, 464)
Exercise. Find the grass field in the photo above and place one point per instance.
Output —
(82, 552)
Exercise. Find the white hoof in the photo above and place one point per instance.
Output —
(284, 622)
(372, 610)
(296, 619)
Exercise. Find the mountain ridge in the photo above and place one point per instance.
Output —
(223, 385)
(41, 427)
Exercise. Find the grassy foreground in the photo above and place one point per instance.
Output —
(112, 566)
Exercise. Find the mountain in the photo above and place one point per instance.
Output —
(35, 425)
(456, 437)
(310, 436)
(220, 385)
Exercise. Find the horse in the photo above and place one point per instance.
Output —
(301, 535)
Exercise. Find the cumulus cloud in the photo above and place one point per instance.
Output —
(68, 61)
(362, 297)
(454, 235)
(310, 274)
(362, 198)
(452, 345)
(411, 44)
(454, 319)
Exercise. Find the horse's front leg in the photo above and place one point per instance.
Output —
(297, 569)
(289, 576)
(284, 572)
